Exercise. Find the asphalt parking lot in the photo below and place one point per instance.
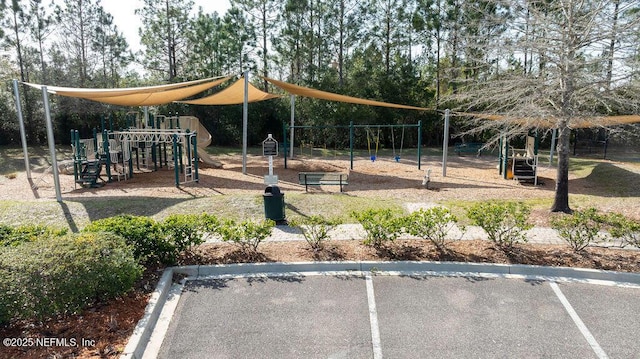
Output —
(374, 316)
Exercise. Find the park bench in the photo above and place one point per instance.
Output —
(323, 179)
(471, 147)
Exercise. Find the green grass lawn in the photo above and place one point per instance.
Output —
(606, 181)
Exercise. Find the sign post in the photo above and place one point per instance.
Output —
(270, 149)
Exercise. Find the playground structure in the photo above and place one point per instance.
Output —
(519, 164)
(161, 141)
(373, 139)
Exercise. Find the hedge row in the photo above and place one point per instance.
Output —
(63, 274)
(504, 222)
(44, 271)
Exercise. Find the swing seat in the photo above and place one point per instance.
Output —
(373, 158)
(397, 158)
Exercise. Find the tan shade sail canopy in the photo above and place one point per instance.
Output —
(158, 98)
(595, 121)
(233, 95)
(323, 95)
(89, 93)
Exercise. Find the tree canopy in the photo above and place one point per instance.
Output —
(522, 59)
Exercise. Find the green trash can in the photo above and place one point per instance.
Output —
(273, 203)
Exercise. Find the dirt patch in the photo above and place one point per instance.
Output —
(479, 251)
(107, 326)
(467, 178)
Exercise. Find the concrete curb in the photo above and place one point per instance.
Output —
(142, 332)
(139, 339)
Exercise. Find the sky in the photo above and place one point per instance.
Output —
(128, 22)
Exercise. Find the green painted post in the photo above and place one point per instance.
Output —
(187, 142)
(195, 156)
(506, 157)
(76, 154)
(130, 162)
(180, 152)
(154, 146)
(95, 138)
(500, 155)
(105, 141)
(175, 159)
(419, 143)
(351, 142)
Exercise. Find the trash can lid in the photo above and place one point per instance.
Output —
(274, 190)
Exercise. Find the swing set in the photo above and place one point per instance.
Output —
(370, 138)
(373, 139)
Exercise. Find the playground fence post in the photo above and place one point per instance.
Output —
(52, 143)
(445, 142)
(351, 143)
(23, 135)
(419, 143)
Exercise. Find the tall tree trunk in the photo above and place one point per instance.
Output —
(612, 44)
(387, 39)
(561, 200)
(438, 26)
(264, 46)
(31, 128)
(341, 45)
(170, 46)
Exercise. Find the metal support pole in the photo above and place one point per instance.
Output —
(176, 165)
(505, 158)
(245, 109)
(194, 159)
(500, 154)
(419, 143)
(107, 154)
(351, 143)
(445, 142)
(293, 123)
(284, 137)
(52, 143)
(146, 116)
(23, 134)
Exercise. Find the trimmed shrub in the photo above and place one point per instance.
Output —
(381, 225)
(625, 229)
(247, 234)
(143, 233)
(62, 275)
(186, 230)
(5, 232)
(315, 229)
(432, 224)
(13, 236)
(579, 229)
(504, 222)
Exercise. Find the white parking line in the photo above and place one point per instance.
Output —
(579, 323)
(373, 319)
